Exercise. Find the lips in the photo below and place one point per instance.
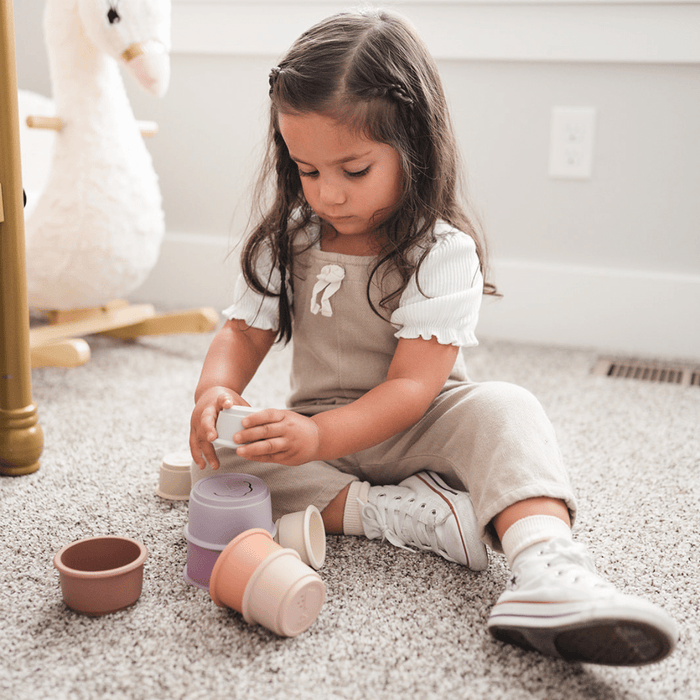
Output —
(337, 219)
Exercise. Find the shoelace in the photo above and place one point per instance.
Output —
(401, 524)
(567, 554)
(570, 558)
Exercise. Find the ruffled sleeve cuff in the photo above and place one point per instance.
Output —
(256, 310)
(444, 336)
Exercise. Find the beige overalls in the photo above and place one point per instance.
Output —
(492, 439)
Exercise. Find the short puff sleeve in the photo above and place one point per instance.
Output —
(257, 310)
(451, 286)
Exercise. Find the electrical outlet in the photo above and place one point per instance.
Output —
(571, 145)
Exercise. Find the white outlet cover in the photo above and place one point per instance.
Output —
(571, 144)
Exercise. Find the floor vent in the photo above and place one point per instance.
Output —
(660, 373)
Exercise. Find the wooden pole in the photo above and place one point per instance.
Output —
(21, 437)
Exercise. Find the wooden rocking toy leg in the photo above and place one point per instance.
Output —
(79, 322)
(192, 321)
(64, 353)
(21, 437)
(57, 344)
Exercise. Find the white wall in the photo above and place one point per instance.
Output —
(611, 262)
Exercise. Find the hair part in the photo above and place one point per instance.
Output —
(372, 72)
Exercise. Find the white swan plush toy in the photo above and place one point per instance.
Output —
(94, 233)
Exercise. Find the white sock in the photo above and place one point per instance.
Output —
(532, 530)
(357, 497)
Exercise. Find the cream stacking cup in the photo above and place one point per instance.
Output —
(304, 532)
(174, 481)
(221, 508)
(268, 584)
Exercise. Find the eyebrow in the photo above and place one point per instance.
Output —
(340, 161)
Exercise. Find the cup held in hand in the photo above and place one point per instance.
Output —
(228, 423)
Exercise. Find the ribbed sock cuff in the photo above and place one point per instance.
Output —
(357, 497)
(531, 530)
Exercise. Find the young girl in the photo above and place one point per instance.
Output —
(365, 258)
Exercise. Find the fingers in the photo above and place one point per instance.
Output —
(271, 435)
(270, 422)
(265, 417)
(203, 452)
(286, 438)
(203, 427)
(271, 450)
(225, 400)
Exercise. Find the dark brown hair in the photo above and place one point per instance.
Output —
(370, 70)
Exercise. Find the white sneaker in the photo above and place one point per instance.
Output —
(558, 605)
(423, 512)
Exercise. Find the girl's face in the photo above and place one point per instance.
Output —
(350, 182)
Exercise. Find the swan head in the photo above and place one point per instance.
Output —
(135, 33)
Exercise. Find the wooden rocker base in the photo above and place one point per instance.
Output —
(58, 344)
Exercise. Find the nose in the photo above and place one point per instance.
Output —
(331, 191)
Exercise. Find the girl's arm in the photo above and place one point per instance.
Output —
(417, 373)
(233, 358)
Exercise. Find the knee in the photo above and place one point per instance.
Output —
(505, 402)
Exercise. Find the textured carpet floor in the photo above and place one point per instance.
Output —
(396, 624)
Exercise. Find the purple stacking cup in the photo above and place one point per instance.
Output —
(221, 508)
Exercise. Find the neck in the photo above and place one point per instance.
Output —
(364, 244)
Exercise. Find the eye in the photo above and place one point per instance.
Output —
(359, 173)
(312, 173)
(113, 15)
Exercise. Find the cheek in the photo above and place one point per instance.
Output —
(307, 190)
(392, 191)
(394, 181)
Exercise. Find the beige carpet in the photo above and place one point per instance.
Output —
(396, 624)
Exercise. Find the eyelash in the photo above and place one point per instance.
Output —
(314, 173)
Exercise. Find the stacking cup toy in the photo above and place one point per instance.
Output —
(221, 508)
(174, 482)
(228, 423)
(268, 584)
(304, 533)
(100, 575)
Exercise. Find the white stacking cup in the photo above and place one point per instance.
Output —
(304, 533)
(228, 423)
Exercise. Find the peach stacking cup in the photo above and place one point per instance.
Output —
(267, 584)
(249, 549)
(100, 575)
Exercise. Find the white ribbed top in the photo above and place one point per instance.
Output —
(449, 276)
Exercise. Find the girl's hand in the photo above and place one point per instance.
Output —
(280, 437)
(203, 423)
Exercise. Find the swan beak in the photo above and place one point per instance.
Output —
(149, 63)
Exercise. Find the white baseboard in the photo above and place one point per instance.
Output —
(638, 313)
(644, 314)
